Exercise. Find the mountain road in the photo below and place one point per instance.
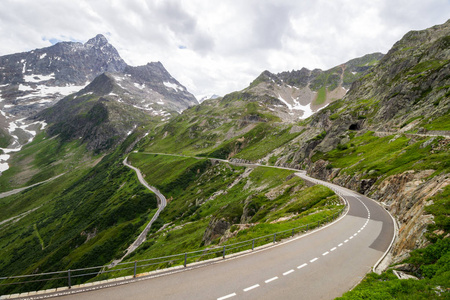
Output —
(322, 264)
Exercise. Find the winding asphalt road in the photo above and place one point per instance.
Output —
(322, 264)
(162, 202)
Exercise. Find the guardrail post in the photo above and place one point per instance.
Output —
(223, 254)
(185, 259)
(69, 283)
(274, 238)
(292, 233)
(253, 244)
(135, 266)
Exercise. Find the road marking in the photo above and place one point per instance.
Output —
(345, 241)
(350, 237)
(313, 260)
(288, 272)
(271, 279)
(332, 249)
(359, 230)
(355, 234)
(227, 296)
(325, 253)
(340, 244)
(251, 287)
(302, 266)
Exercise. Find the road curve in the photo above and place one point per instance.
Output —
(162, 202)
(319, 265)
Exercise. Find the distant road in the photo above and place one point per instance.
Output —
(162, 202)
(16, 191)
(322, 264)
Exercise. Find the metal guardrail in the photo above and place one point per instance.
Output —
(73, 277)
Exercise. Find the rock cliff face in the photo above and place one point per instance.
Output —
(405, 196)
(405, 97)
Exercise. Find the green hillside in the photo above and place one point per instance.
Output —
(387, 138)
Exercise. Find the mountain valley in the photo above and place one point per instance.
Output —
(378, 125)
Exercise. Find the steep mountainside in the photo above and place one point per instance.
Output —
(32, 81)
(36, 80)
(304, 92)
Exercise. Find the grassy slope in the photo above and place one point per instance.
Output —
(381, 157)
(206, 195)
(42, 159)
(106, 203)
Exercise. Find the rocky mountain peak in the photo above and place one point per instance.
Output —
(98, 41)
(32, 81)
(298, 94)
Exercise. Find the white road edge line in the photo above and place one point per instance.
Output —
(227, 296)
(288, 272)
(271, 279)
(313, 260)
(251, 287)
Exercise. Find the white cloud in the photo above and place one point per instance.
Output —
(221, 46)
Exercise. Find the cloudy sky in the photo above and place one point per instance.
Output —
(221, 46)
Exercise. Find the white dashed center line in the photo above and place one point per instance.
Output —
(251, 287)
(227, 296)
(288, 272)
(303, 265)
(271, 279)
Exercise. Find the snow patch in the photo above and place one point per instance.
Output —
(38, 78)
(3, 167)
(139, 86)
(42, 56)
(43, 90)
(307, 111)
(160, 102)
(25, 88)
(174, 86)
(129, 132)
